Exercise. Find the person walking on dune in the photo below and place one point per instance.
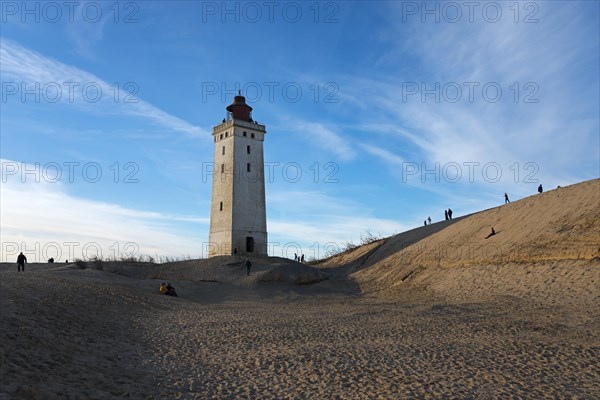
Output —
(428, 220)
(21, 260)
(248, 265)
(506, 200)
(446, 215)
(540, 188)
(449, 214)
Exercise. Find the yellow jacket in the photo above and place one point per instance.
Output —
(163, 288)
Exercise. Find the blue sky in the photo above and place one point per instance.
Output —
(391, 111)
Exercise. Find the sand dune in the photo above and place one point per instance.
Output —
(546, 248)
(435, 312)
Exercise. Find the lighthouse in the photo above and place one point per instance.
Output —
(238, 218)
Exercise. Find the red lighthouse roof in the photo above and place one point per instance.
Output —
(239, 109)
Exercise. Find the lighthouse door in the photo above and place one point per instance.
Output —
(249, 244)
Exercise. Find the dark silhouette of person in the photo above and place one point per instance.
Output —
(492, 233)
(21, 260)
(540, 188)
(248, 265)
(506, 200)
(302, 258)
(449, 214)
(66, 261)
(51, 260)
(446, 214)
(428, 220)
(171, 290)
(295, 257)
(425, 222)
(235, 251)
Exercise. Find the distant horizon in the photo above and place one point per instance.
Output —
(107, 113)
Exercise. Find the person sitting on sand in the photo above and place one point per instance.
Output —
(491, 233)
(171, 290)
(163, 288)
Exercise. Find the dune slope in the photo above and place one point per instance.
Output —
(546, 248)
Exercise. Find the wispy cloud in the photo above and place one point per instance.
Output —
(554, 132)
(385, 155)
(43, 215)
(84, 33)
(324, 136)
(21, 65)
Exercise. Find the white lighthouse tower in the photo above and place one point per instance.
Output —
(238, 218)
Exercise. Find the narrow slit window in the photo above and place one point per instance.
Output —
(247, 149)
(248, 167)
(223, 152)
(222, 168)
(252, 136)
(245, 134)
(221, 206)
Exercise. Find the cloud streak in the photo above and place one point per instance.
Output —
(41, 213)
(551, 132)
(68, 84)
(325, 137)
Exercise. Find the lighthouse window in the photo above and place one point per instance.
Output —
(222, 168)
(245, 134)
(252, 136)
(221, 136)
(226, 134)
(248, 167)
(247, 149)
(223, 152)
(221, 206)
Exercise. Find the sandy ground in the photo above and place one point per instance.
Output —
(392, 320)
(75, 333)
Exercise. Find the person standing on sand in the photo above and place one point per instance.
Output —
(506, 200)
(446, 215)
(428, 220)
(248, 265)
(540, 188)
(21, 260)
(449, 214)
(425, 222)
